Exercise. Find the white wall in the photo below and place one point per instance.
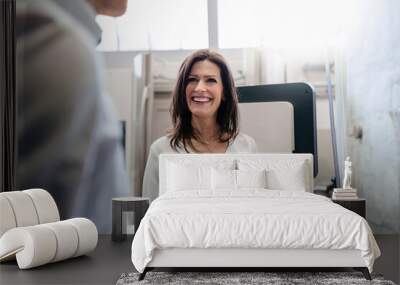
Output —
(373, 103)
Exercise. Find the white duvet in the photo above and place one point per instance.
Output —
(250, 219)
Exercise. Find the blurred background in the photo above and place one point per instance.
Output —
(351, 45)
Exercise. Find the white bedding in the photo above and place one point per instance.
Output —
(251, 218)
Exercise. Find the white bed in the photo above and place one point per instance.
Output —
(247, 210)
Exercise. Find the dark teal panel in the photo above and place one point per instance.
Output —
(302, 97)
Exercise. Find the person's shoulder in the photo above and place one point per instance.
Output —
(244, 138)
(50, 38)
(30, 17)
(244, 143)
(42, 23)
(161, 145)
(161, 141)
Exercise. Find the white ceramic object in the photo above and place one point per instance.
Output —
(23, 208)
(41, 244)
(7, 218)
(45, 205)
(31, 233)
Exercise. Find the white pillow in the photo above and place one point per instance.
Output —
(226, 179)
(281, 174)
(223, 179)
(182, 177)
(293, 179)
(251, 178)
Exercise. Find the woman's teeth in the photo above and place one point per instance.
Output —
(201, 99)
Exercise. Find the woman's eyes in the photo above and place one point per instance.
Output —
(208, 80)
(192, 79)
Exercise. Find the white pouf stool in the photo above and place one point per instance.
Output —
(31, 231)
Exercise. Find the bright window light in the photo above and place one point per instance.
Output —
(157, 25)
(284, 23)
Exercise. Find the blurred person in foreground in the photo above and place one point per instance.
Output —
(68, 134)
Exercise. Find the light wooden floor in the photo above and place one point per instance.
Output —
(110, 260)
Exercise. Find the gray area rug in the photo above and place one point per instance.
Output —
(228, 278)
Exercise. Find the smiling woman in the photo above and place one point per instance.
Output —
(204, 108)
(204, 89)
(204, 115)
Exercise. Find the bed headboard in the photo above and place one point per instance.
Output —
(233, 160)
(302, 97)
(259, 120)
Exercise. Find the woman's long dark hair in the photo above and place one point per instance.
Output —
(227, 115)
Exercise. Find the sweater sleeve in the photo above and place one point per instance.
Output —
(252, 145)
(150, 179)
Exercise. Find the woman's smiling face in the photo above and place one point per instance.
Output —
(204, 90)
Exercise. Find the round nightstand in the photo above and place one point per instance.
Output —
(137, 205)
